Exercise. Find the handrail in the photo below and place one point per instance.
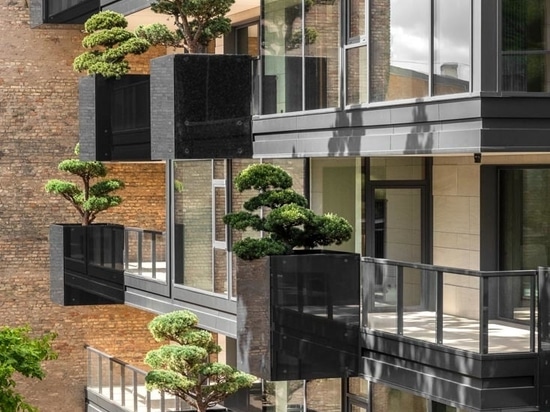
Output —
(458, 271)
(397, 276)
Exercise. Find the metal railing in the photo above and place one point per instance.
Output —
(466, 309)
(145, 253)
(124, 385)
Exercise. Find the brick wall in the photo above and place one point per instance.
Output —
(38, 128)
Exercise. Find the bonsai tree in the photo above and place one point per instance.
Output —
(286, 222)
(20, 353)
(109, 43)
(197, 22)
(187, 370)
(93, 196)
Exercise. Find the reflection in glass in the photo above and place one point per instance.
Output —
(525, 46)
(301, 56)
(451, 66)
(400, 49)
(385, 398)
(359, 387)
(397, 168)
(356, 75)
(193, 211)
(356, 18)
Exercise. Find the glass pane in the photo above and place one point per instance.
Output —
(220, 271)
(335, 189)
(390, 399)
(193, 228)
(356, 18)
(398, 237)
(526, 73)
(288, 396)
(282, 71)
(400, 49)
(356, 75)
(322, 47)
(524, 198)
(524, 25)
(323, 395)
(461, 311)
(397, 168)
(359, 387)
(220, 212)
(451, 46)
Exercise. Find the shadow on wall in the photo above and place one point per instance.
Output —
(346, 140)
(420, 139)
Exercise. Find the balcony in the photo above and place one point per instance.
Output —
(189, 107)
(114, 385)
(439, 331)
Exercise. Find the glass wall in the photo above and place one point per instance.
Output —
(524, 199)
(300, 55)
(336, 187)
(525, 45)
(200, 239)
(415, 49)
(451, 47)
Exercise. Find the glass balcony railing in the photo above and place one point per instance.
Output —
(145, 253)
(478, 311)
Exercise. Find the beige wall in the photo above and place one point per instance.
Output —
(456, 210)
(456, 231)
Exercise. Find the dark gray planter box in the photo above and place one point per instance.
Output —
(86, 265)
(201, 106)
(298, 316)
(114, 116)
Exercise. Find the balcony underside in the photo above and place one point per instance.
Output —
(480, 382)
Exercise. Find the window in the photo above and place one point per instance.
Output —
(200, 238)
(301, 45)
(415, 49)
(525, 45)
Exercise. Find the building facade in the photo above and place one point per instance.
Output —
(424, 124)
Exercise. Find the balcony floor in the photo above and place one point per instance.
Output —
(458, 332)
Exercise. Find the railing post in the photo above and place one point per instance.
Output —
(99, 374)
(135, 389)
(126, 251)
(122, 385)
(400, 309)
(439, 307)
(483, 315)
(533, 314)
(140, 252)
(111, 394)
(154, 255)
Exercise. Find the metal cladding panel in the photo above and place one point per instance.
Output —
(204, 106)
(86, 264)
(480, 382)
(298, 316)
(69, 12)
(57, 287)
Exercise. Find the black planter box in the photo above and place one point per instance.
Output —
(86, 266)
(298, 316)
(201, 106)
(114, 116)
